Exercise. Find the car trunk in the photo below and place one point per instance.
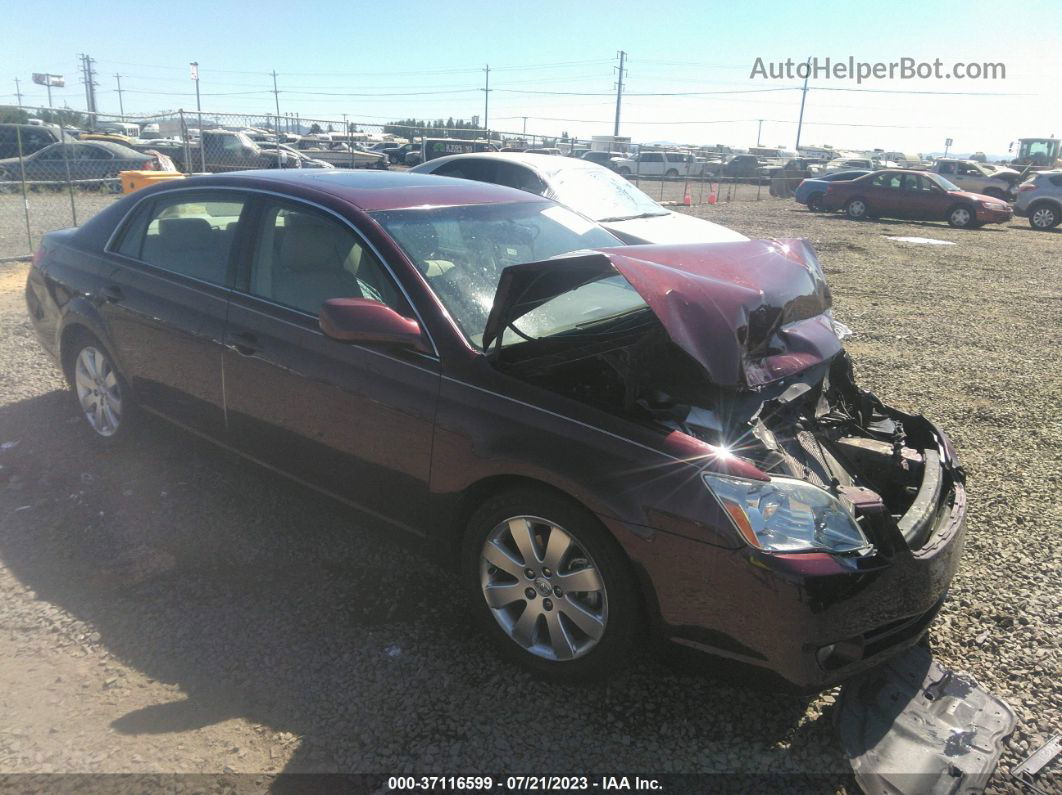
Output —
(737, 350)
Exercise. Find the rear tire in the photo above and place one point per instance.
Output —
(101, 393)
(962, 216)
(857, 209)
(533, 617)
(995, 193)
(1044, 216)
(671, 173)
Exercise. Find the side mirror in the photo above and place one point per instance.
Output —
(362, 320)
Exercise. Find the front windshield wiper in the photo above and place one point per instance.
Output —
(632, 217)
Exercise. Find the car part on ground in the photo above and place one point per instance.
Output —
(912, 727)
(1029, 769)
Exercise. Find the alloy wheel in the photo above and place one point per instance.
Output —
(961, 216)
(543, 588)
(1043, 218)
(98, 391)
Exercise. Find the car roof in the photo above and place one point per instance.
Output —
(378, 190)
(543, 164)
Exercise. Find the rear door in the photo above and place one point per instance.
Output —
(356, 421)
(883, 194)
(166, 301)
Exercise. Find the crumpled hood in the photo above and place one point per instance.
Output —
(749, 312)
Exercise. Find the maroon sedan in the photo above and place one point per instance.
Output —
(918, 195)
(607, 440)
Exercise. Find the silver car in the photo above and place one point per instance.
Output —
(1040, 200)
(595, 191)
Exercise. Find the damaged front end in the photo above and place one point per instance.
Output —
(734, 345)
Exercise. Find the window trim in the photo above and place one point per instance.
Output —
(240, 249)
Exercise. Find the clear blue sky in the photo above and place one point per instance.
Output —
(327, 52)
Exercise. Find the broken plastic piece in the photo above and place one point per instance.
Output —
(912, 726)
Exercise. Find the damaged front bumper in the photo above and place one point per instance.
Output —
(815, 618)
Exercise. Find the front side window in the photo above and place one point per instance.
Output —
(188, 234)
(303, 257)
(652, 157)
(461, 251)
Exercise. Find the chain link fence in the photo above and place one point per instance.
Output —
(59, 168)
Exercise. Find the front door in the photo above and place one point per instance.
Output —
(356, 421)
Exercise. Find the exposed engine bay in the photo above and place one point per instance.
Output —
(816, 426)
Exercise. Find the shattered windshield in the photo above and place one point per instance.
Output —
(602, 194)
(461, 251)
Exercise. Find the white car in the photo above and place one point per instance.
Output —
(660, 164)
(595, 191)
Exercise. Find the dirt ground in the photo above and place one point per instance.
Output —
(169, 607)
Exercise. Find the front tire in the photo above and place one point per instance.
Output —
(1044, 217)
(857, 209)
(962, 216)
(550, 586)
(815, 203)
(100, 392)
(672, 173)
(624, 171)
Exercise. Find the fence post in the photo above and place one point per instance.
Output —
(184, 139)
(69, 180)
(25, 189)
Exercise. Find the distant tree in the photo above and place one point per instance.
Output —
(315, 128)
(13, 115)
(329, 128)
(64, 117)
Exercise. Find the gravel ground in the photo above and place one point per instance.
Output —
(172, 608)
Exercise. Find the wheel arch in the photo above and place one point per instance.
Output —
(478, 493)
(78, 324)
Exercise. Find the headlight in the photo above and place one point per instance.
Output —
(787, 515)
(992, 205)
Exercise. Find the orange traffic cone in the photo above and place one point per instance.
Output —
(686, 199)
(713, 195)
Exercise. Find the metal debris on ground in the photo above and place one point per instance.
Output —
(1028, 770)
(912, 726)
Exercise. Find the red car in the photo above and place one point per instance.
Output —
(606, 440)
(918, 195)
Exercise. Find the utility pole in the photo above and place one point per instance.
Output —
(199, 111)
(803, 99)
(486, 94)
(276, 99)
(525, 124)
(89, 78)
(121, 105)
(619, 90)
(759, 130)
(18, 92)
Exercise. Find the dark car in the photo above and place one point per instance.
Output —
(27, 138)
(918, 195)
(606, 443)
(742, 167)
(811, 190)
(87, 160)
(606, 159)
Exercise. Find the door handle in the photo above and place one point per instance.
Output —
(244, 343)
(111, 293)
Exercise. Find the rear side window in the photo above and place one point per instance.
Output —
(189, 234)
